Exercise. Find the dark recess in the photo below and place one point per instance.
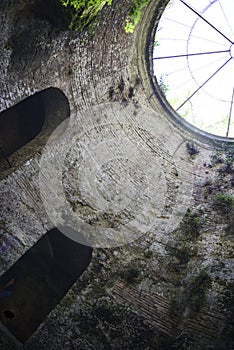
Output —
(37, 282)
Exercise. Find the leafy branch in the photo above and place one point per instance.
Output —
(134, 14)
(84, 11)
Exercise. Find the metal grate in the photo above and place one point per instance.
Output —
(193, 62)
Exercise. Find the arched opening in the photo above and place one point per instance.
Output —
(21, 123)
(146, 45)
(192, 64)
(25, 127)
(38, 281)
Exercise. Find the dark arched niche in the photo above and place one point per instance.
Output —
(25, 127)
(38, 281)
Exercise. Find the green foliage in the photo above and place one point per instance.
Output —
(175, 100)
(217, 158)
(164, 87)
(84, 11)
(180, 254)
(183, 249)
(229, 149)
(225, 156)
(191, 298)
(134, 14)
(224, 198)
(132, 274)
(156, 43)
(72, 70)
(196, 291)
(129, 26)
(191, 225)
(224, 202)
(227, 160)
(86, 5)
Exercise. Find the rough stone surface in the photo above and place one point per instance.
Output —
(172, 291)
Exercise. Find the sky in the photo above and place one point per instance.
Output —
(180, 32)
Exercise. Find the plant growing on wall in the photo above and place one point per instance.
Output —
(84, 11)
(224, 202)
(134, 14)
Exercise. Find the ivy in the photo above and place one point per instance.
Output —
(84, 11)
(134, 14)
(86, 5)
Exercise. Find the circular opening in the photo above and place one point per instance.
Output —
(193, 64)
(9, 314)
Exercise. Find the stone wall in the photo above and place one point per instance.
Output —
(168, 289)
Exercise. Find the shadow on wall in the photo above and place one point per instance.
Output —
(25, 127)
(38, 281)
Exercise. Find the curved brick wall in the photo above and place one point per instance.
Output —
(164, 290)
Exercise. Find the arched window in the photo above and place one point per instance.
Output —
(29, 123)
(38, 280)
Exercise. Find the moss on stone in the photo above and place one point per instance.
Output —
(191, 297)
